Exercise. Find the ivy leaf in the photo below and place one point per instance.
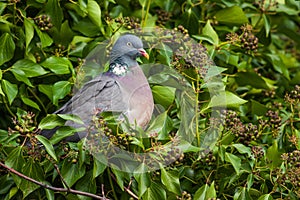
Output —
(161, 125)
(142, 179)
(163, 95)
(47, 90)
(155, 191)
(30, 68)
(33, 170)
(45, 39)
(29, 102)
(58, 65)
(170, 180)
(7, 48)
(206, 192)
(266, 197)
(53, 9)
(10, 90)
(211, 33)
(47, 145)
(226, 99)
(21, 76)
(29, 32)
(231, 15)
(72, 172)
(71, 117)
(51, 121)
(98, 168)
(234, 160)
(94, 13)
(60, 90)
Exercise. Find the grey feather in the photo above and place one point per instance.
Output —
(129, 93)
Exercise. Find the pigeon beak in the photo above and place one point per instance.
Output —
(144, 53)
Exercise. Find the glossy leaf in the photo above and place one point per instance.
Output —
(71, 172)
(231, 15)
(30, 102)
(51, 121)
(226, 99)
(31, 169)
(211, 33)
(161, 125)
(170, 180)
(163, 95)
(47, 90)
(155, 191)
(10, 90)
(234, 160)
(7, 48)
(94, 13)
(29, 68)
(58, 65)
(47, 145)
(60, 90)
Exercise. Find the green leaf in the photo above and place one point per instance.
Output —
(47, 145)
(71, 117)
(71, 172)
(60, 90)
(170, 180)
(242, 149)
(54, 10)
(242, 194)
(33, 170)
(258, 108)
(231, 15)
(87, 184)
(226, 99)
(267, 25)
(51, 121)
(234, 160)
(210, 32)
(142, 178)
(94, 13)
(21, 76)
(29, 32)
(29, 102)
(64, 132)
(251, 78)
(30, 68)
(45, 39)
(47, 90)
(278, 65)
(58, 65)
(205, 192)
(98, 168)
(10, 90)
(273, 154)
(266, 197)
(162, 125)
(163, 95)
(7, 48)
(15, 159)
(155, 191)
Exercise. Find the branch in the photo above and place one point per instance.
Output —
(51, 187)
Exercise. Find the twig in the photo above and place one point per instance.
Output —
(127, 189)
(61, 177)
(51, 187)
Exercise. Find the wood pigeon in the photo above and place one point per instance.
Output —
(123, 88)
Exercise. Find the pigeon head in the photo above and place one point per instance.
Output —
(126, 49)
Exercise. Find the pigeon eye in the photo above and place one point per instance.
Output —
(129, 44)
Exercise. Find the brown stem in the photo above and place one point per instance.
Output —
(51, 187)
